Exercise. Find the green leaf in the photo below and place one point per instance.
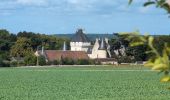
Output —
(130, 2)
(148, 3)
(136, 44)
(159, 67)
(165, 79)
(151, 40)
(166, 7)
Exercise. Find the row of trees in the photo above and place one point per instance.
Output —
(24, 44)
(135, 53)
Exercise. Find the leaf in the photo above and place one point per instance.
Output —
(166, 7)
(151, 40)
(148, 3)
(149, 63)
(159, 67)
(165, 79)
(130, 2)
(136, 44)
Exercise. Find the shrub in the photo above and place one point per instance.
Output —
(56, 62)
(125, 59)
(14, 64)
(1, 63)
(85, 62)
(67, 61)
(30, 60)
(42, 60)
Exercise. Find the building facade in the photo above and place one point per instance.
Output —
(100, 49)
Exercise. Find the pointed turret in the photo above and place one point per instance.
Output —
(42, 50)
(102, 45)
(64, 46)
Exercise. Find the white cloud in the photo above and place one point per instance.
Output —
(97, 7)
(32, 2)
(144, 9)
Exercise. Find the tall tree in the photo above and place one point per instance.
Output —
(22, 47)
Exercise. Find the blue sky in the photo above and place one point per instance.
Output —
(95, 16)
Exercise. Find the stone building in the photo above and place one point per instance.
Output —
(100, 49)
(81, 48)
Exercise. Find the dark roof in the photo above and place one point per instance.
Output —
(89, 51)
(56, 55)
(80, 37)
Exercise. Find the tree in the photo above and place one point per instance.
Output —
(159, 61)
(30, 60)
(163, 4)
(21, 48)
(6, 41)
(161, 57)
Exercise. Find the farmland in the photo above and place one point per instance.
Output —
(76, 83)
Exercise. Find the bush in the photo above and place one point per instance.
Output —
(56, 62)
(14, 64)
(67, 61)
(1, 63)
(42, 60)
(85, 62)
(30, 60)
(125, 59)
(4, 64)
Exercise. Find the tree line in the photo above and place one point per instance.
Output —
(135, 53)
(23, 45)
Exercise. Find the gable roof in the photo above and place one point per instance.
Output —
(80, 37)
(57, 54)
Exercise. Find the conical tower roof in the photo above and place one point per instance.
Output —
(80, 37)
(64, 46)
(102, 45)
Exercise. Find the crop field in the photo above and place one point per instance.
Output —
(82, 83)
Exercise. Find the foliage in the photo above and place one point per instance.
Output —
(1, 62)
(126, 59)
(164, 4)
(6, 41)
(42, 60)
(160, 60)
(67, 61)
(121, 44)
(22, 47)
(84, 62)
(30, 60)
(49, 42)
(13, 64)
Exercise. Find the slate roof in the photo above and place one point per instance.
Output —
(102, 45)
(80, 37)
(56, 55)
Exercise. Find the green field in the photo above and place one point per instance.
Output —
(77, 83)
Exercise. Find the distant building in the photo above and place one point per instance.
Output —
(80, 42)
(81, 48)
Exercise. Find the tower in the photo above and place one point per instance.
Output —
(80, 41)
(102, 53)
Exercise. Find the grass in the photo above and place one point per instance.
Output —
(76, 83)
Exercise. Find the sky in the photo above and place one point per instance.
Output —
(94, 16)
